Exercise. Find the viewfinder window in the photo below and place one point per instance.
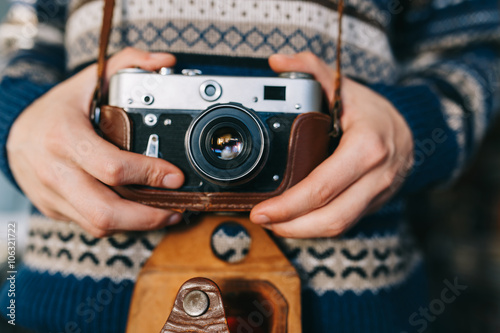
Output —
(274, 93)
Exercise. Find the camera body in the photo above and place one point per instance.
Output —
(226, 133)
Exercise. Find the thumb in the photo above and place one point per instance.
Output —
(86, 80)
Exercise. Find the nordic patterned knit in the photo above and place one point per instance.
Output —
(436, 61)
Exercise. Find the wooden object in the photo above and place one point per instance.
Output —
(263, 290)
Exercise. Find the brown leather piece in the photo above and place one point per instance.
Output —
(308, 147)
(115, 126)
(107, 22)
(185, 252)
(212, 321)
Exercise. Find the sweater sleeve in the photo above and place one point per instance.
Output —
(32, 60)
(449, 86)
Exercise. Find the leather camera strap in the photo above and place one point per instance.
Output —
(335, 107)
(97, 100)
(336, 104)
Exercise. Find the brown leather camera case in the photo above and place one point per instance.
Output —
(308, 147)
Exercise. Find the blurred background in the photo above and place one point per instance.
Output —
(459, 230)
(13, 208)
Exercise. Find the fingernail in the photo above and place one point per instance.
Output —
(261, 219)
(172, 180)
(174, 219)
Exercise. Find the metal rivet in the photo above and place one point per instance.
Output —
(276, 178)
(166, 71)
(276, 125)
(255, 99)
(191, 72)
(195, 303)
(130, 101)
(150, 119)
(148, 99)
(298, 106)
(167, 122)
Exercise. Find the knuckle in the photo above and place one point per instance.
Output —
(393, 179)
(151, 223)
(337, 227)
(333, 231)
(99, 233)
(102, 219)
(154, 176)
(390, 176)
(52, 142)
(375, 150)
(158, 220)
(45, 177)
(113, 172)
(320, 195)
(50, 213)
(283, 232)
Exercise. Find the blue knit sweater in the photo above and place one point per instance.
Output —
(436, 61)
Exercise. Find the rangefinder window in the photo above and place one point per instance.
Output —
(274, 93)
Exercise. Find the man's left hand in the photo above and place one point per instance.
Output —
(369, 165)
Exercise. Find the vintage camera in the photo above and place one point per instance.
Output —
(226, 133)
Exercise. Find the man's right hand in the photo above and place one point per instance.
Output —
(64, 167)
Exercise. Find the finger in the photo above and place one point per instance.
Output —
(336, 217)
(132, 57)
(356, 155)
(112, 166)
(306, 62)
(120, 167)
(116, 167)
(393, 181)
(104, 209)
(54, 206)
(69, 205)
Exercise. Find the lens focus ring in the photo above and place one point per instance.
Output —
(227, 144)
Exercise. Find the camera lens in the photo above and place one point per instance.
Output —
(226, 143)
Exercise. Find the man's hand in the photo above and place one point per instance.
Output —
(374, 154)
(63, 166)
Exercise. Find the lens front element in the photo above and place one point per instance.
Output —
(226, 143)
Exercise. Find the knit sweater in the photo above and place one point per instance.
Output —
(435, 61)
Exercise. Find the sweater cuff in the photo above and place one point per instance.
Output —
(15, 96)
(435, 144)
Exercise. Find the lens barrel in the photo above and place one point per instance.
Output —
(227, 144)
